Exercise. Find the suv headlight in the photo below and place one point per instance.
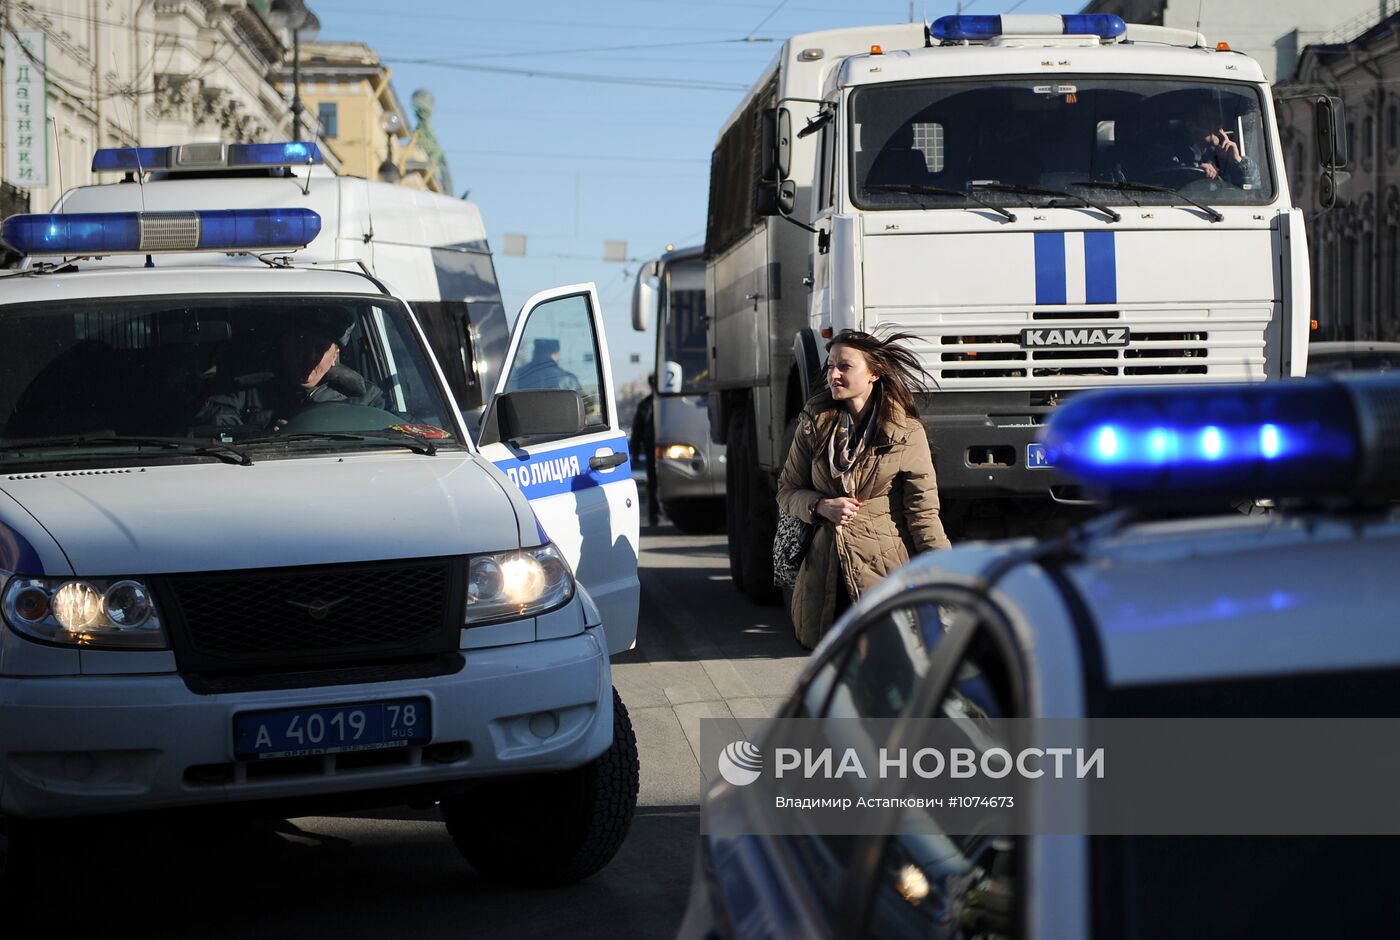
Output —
(517, 584)
(113, 613)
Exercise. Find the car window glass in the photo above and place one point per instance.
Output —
(955, 884)
(558, 350)
(873, 675)
(208, 368)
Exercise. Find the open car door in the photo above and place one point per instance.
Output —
(573, 468)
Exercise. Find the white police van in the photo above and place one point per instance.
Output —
(1286, 619)
(251, 554)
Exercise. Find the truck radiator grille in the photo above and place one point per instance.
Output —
(1001, 356)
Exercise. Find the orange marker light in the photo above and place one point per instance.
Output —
(876, 50)
(826, 331)
(1314, 324)
(1222, 47)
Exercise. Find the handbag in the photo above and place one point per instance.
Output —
(791, 542)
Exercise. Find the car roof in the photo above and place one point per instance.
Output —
(137, 281)
(1237, 597)
(1214, 598)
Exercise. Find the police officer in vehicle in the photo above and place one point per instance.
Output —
(543, 370)
(308, 372)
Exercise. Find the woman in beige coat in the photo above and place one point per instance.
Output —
(860, 470)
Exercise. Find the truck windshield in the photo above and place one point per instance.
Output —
(155, 377)
(684, 366)
(1164, 138)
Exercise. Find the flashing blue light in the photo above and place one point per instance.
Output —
(1269, 445)
(107, 233)
(135, 159)
(1310, 437)
(207, 156)
(959, 28)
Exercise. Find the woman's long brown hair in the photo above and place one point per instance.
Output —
(899, 370)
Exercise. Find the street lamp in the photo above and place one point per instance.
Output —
(391, 124)
(293, 15)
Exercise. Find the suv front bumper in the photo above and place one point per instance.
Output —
(84, 745)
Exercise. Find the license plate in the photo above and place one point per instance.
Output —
(306, 732)
(1037, 457)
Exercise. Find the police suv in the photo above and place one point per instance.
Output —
(1288, 617)
(251, 554)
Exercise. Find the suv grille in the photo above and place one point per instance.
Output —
(312, 616)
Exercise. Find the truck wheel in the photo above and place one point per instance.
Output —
(758, 525)
(551, 829)
(735, 493)
(695, 515)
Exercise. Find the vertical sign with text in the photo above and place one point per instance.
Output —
(26, 109)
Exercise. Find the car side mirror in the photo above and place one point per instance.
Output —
(535, 414)
(1330, 127)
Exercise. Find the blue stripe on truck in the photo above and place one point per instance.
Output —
(1049, 267)
(1100, 268)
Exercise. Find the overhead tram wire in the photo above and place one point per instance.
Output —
(678, 83)
(576, 50)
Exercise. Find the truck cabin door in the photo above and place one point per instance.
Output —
(578, 478)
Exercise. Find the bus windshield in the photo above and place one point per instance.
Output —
(943, 144)
(684, 367)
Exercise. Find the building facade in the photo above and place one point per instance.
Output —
(154, 72)
(1355, 245)
(351, 107)
(1273, 32)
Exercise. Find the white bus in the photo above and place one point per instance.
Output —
(689, 466)
(1027, 195)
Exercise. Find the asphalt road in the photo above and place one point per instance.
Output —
(703, 652)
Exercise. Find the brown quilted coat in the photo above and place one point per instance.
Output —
(898, 516)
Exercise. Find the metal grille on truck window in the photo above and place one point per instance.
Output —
(292, 615)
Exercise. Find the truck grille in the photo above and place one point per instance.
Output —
(996, 356)
(316, 616)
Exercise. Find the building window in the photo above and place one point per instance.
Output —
(1368, 137)
(1392, 127)
(325, 113)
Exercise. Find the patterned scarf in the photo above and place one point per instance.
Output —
(848, 444)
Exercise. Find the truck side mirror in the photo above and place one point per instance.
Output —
(777, 144)
(644, 296)
(775, 198)
(1330, 126)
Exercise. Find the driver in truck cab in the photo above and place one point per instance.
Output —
(307, 371)
(1205, 143)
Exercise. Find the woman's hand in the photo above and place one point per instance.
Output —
(838, 510)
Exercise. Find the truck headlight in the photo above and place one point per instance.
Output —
(517, 584)
(112, 613)
(676, 451)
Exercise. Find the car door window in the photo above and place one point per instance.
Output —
(872, 676)
(956, 884)
(558, 350)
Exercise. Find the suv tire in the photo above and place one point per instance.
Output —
(551, 829)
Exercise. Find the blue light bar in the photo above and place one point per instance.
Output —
(1307, 438)
(108, 233)
(982, 28)
(207, 156)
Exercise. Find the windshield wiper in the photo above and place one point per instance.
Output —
(1129, 186)
(1043, 191)
(414, 442)
(225, 452)
(919, 189)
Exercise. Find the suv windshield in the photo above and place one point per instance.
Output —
(175, 378)
(1172, 138)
